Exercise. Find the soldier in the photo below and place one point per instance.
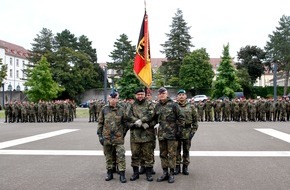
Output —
(200, 110)
(169, 120)
(142, 134)
(7, 111)
(217, 106)
(187, 132)
(208, 110)
(111, 126)
(226, 109)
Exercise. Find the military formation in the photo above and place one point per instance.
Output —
(43, 111)
(243, 110)
(173, 123)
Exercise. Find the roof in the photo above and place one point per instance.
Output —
(13, 49)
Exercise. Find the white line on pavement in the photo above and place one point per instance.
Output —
(277, 134)
(156, 153)
(34, 138)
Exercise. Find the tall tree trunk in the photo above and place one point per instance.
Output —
(286, 81)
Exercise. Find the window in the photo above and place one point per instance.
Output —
(17, 74)
(17, 62)
(23, 63)
(10, 60)
(10, 73)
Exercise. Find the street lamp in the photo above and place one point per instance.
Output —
(18, 87)
(105, 83)
(3, 94)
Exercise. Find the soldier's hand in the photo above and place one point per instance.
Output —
(138, 123)
(178, 133)
(101, 139)
(156, 126)
(145, 125)
(191, 135)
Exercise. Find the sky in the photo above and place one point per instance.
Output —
(214, 23)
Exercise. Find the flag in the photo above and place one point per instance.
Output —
(142, 62)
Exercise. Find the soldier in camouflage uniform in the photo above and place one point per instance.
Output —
(187, 132)
(208, 110)
(170, 119)
(226, 105)
(6, 111)
(142, 134)
(217, 107)
(111, 126)
(200, 110)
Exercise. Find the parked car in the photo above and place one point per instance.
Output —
(85, 104)
(197, 98)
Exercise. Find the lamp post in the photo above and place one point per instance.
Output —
(3, 94)
(10, 89)
(275, 81)
(105, 83)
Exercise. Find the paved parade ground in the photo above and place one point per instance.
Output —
(224, 155)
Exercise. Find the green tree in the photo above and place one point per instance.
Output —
(251, 58)
(122, 54)
(278, 48)
(73, 61)
(40, 83)
(226, 83)
(244, 80)
(3, 71)
(176, 47)
(129, 82)
(196, 71)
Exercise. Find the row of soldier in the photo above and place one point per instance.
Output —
(43, 111)
(173, 123)
(244, 110)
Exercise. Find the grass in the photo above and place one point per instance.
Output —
(81, 113)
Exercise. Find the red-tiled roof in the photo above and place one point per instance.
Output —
(14, 50)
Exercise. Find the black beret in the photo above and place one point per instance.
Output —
(113, 94)
(139, 90)
(161, 90)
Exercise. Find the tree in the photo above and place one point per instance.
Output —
(196, 71)
(278, 48)
(251, 58)
(73, 61)
(176, 47)
(122, 56)
(226, 83)
(40, 82)
(3, 71)
(244, 80)
(129, 82)
(123, 53)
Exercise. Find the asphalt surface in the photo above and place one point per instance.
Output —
(84, 171)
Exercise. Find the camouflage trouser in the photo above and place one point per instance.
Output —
(168, 150)
(120, 154)
(185, 144)
(142, 154)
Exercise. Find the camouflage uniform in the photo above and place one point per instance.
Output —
(187, 132)
(170, 119)
(141, 138)
(208, 110)
(111, 126)
(217, 110)
(200, 110)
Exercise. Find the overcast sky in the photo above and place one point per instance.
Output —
(213, 23)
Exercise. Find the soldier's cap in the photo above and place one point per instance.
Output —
(113, 94)
(181, 91)
(162, 90)
(139, 90)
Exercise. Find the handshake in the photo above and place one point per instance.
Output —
(139, 124)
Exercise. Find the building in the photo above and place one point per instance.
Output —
(15, 57)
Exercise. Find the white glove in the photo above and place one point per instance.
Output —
(156, 126)
(145, 125)
(138, 123)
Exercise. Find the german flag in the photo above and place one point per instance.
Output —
(142, 62)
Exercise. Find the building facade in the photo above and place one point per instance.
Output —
(15, 57)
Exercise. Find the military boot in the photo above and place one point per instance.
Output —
(185, 170)
(135, 173)
(109, 175)
(153, 171)
(177, 170)
(122, 177)
(149, 174)
(171, 176)
(164, 175)
(142, 170)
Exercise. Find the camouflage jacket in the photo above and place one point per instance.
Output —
(111, 124)
(141, 110)
(170, 118)
(191, 124)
